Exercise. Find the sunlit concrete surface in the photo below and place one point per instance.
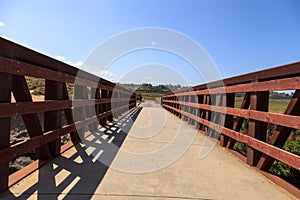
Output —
(158, 139)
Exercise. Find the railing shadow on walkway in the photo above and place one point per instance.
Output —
(78, 174)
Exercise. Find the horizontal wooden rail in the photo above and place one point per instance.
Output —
(22, 108)
(274, 118)
(20, 53)
(95, 101)
(282, 84)
(285, 71)
(20, 68)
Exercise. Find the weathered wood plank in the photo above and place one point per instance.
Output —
(280, 84)
(5, 97)
(257, 129)
(53, 119)
(226, 119)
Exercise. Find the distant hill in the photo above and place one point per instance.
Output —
(149, 88)
(149, 91)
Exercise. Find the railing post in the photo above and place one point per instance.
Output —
(209, 100)
(117, 104)
(53, 119)
(180, 107)
(200, 111)
(192, 109)
(92, 110)
(103, 106)
(258, 101)
(177, 106)
(80, 93)
(185, 108)
(189, 109)
(227, 119)
(69, 115)
(213, 115)
(5, 97)
(109, 117)
(123, 98)
(97, 106)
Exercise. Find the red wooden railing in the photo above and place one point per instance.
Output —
(210, 107)
(91, 93)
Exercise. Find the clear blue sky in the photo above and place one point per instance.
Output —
(240, 36)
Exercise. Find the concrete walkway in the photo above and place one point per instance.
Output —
(158, 159)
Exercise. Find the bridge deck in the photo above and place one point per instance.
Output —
(80, 172)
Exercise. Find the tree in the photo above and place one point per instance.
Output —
(139, 97)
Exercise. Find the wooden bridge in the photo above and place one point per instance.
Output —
(106, 114)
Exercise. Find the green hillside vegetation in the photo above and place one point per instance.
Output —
(275, 105)
(149, 91)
